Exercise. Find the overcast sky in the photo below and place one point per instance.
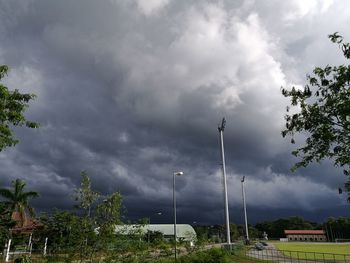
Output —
(133, 90)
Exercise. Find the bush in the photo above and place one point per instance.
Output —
(215, 255)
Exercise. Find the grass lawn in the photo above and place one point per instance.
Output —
(310, 248)
(214, 255)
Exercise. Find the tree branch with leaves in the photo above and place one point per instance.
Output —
(12, 107)
(323, 114)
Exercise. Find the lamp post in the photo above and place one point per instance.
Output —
(245, 210)
(227, 216)
(174, 201)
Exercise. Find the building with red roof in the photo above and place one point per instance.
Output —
(24, 223)
(306, 235)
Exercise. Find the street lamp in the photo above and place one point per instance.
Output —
(227, 216)
(245, 210)
(174, 201)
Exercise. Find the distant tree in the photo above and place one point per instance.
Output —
(12, 106)
(275, 229)
(6, 223)
(337, 228)
(108, 215)
(154, 237)
(323, 114)
(18, 200)
(253, 232)
(202, 233)
(84, 194)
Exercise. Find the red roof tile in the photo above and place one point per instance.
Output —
(304, 232)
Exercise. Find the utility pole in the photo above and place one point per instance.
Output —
(245, 211)
(221, 133)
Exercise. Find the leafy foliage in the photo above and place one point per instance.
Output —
(324, 114)
(85, 195)
(275, 229)
(12, 106)
(84, 237)
(17, 200)
(5, 223)
(337, 228)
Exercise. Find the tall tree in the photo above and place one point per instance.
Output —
(18, 200)
(12, 106)
(84, 194)
(322, 113)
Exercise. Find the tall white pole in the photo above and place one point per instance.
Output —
(221, 132)
(174, 201)
(245, 210)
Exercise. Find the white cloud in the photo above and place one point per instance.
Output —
(26, 78)
(150, 7)
(211, 48)
(124, 137)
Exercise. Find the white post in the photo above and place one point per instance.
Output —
(45, 247)
(245, 210)
(8, 251)
(227, 216)
(29, 242)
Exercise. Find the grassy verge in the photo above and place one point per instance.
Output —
(314, 250)
(215, 255)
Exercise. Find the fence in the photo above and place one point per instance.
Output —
(274, 255)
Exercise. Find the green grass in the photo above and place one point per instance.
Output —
(310, 248)
(214, 255)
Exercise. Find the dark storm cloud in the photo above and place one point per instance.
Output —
(133, 91)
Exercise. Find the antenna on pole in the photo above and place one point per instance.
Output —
(221, 132)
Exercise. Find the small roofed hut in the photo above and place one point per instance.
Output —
(24, 225)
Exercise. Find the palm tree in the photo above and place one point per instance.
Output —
(17, 199)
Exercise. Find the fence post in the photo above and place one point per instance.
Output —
(45, 247)
(8, 251)
(31, 248)
(30, 241)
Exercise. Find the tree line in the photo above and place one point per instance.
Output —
(85, 233)
(335, 228)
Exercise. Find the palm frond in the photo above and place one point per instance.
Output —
(6, 193)
(30, 194)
